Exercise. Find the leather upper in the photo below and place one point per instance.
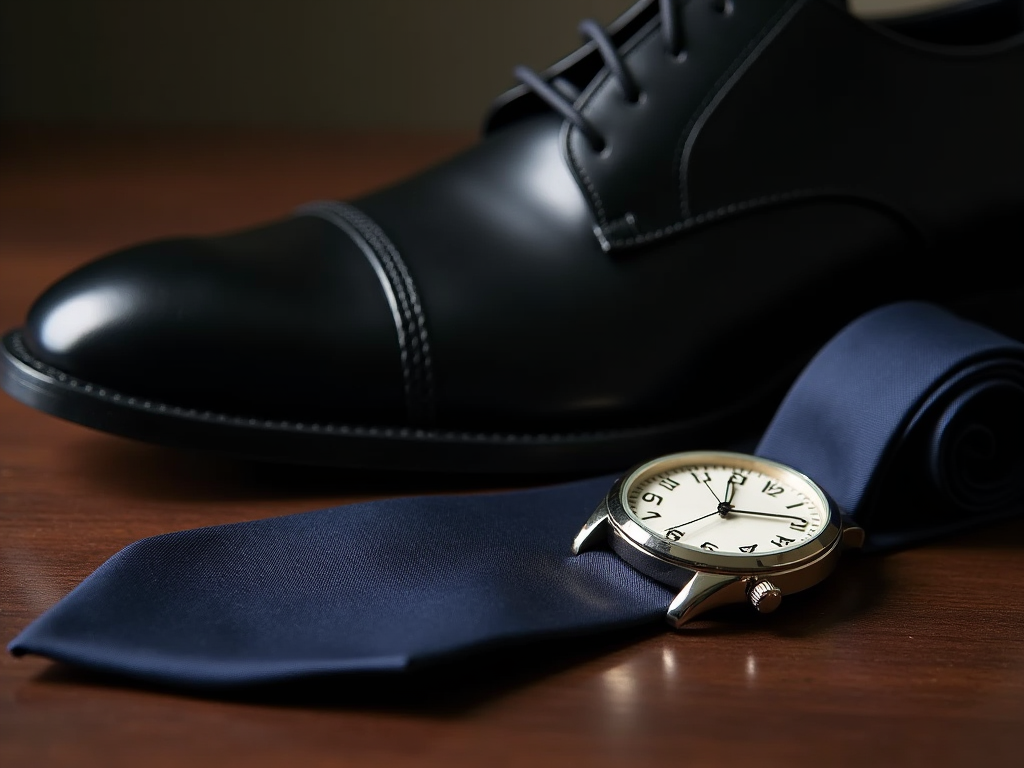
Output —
(795, 167)
(799, 98)
(658, 133)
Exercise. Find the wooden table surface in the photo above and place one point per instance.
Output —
(915, 658)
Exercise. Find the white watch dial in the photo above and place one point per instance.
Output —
(727, 508)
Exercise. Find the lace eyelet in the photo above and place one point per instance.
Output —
(677, 56)
(561, 96)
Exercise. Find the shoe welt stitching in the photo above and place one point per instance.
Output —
(400, 291)
(21, 353)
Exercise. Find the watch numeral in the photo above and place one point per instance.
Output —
(673, 535)
(699, 479)
(798, 525)
(650, 514)
(668, 484)
(737, 478)
(709, 546)
(748, 548)
(772, 489)
(653, 497)
(781, 541)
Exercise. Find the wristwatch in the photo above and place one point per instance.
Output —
(722, 527)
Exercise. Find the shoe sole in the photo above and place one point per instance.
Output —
(60, 394)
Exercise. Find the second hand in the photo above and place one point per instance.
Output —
(680, 525)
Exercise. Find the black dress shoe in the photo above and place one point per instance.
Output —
(644, 248)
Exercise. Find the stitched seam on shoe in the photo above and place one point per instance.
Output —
(764, 201)
(710, 216)
(410, 322)
(722, 86)
(154, 405)
(592, 193)
(421, 406)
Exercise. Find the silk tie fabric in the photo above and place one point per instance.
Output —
(911, 417)
(913, 420)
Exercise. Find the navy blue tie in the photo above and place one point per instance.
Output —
(911, 417)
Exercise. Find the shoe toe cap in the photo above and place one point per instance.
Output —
(282, 321)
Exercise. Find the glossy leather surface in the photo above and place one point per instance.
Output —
(539, 328)
(246, 323)
(795, 167)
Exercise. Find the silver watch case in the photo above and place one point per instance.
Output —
(707, 579)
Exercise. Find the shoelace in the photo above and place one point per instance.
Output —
(560, 94)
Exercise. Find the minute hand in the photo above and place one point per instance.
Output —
(766, 514)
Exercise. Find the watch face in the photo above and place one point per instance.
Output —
(721, 508)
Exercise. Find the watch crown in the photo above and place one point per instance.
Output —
(765, 596)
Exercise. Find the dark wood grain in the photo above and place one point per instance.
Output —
(915, 658)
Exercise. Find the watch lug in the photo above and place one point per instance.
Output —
(593, 532)
(703, 592)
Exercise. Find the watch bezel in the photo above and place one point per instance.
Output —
(627, 528)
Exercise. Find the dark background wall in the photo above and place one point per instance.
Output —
(405, 64)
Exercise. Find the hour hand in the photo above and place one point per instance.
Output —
(730, 489)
